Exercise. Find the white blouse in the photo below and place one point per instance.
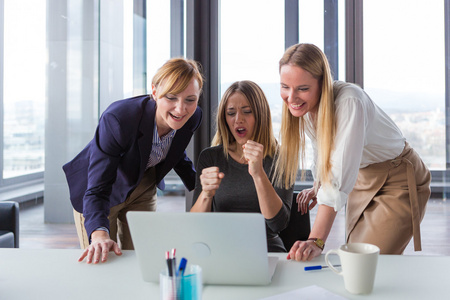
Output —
(364, 135)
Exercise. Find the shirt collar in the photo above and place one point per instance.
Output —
(157, 139)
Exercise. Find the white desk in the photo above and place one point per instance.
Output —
(56, 274)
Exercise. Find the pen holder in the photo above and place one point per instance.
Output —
(189, 286)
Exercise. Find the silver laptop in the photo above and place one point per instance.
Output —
(231, 248)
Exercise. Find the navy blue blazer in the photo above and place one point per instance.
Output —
(111, 166)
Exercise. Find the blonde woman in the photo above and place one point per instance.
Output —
(137, 142)
(234, 175)
(361, 159)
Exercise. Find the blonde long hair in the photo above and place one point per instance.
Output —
(311, 59)
(263, 132)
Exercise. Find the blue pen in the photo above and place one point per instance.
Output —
(182, 267)
(310, 268)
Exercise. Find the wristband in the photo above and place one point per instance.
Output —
(319, 242)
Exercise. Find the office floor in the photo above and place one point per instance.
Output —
(35, 234)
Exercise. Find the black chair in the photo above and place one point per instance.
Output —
(298, 228)
(9, 224)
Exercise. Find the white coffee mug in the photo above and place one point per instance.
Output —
(359, 265)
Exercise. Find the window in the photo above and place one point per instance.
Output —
(252, 42)
(158, 36)
(404, 70)
(322, 23)
(24, 81)
(310, 19)
(80, 56)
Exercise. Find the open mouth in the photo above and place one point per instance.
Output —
(177, 118)
(241, 131)
(297, 106)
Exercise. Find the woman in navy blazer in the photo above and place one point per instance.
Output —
(137, 142)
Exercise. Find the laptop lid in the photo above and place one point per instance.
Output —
(231, 248)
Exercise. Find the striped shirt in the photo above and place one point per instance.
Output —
(160, 147)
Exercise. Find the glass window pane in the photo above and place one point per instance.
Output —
(128, 45)
(311, 28)
(341, 46)
(24, 87)
(404, 70)
(310, 19)
(158, 37)
(252, 43)
(77, 60)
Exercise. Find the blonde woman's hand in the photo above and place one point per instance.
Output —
(304, 251)
(210, 179)
(306, 200)
(254, 154)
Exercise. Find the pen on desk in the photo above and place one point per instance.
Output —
(311, 268)
(182, 267)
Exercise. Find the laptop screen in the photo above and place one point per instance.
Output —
(230, 248)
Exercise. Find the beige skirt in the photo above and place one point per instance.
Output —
(388, 203)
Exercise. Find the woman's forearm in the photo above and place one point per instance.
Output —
(203, 203)
(323, 222)
(269, 201)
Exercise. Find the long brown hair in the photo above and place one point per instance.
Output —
(263, 132)
(311, 59)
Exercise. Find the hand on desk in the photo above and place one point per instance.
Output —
(304, 251)
(100, 246)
